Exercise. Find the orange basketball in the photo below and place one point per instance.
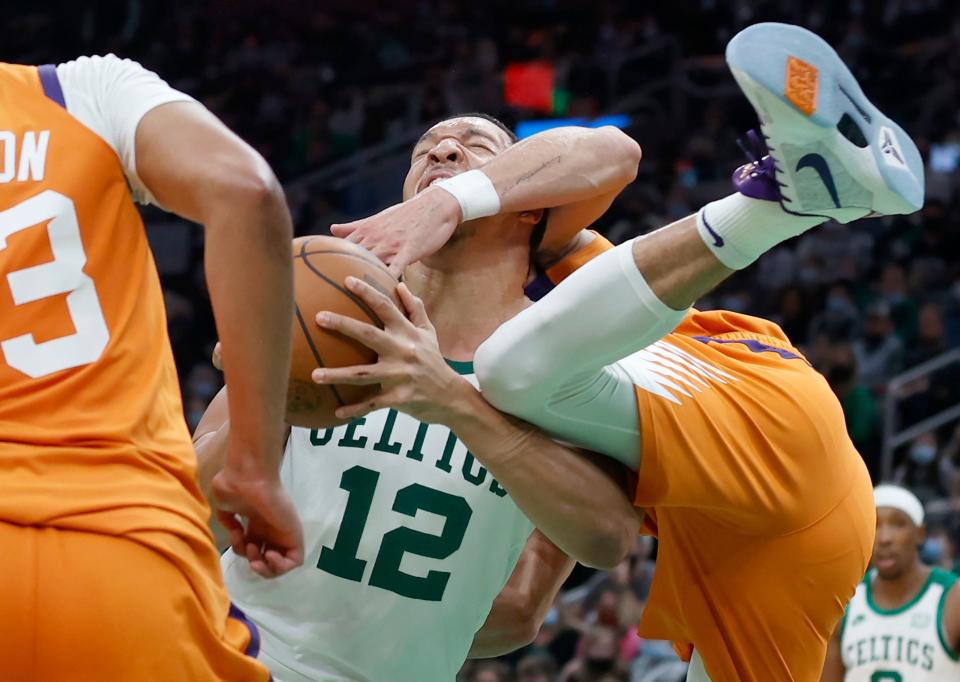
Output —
(320, 266)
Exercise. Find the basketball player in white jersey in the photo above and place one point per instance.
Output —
(409, 540)
(903, 623)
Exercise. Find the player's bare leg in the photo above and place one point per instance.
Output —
(832, 155)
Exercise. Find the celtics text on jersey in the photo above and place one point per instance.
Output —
(904, 644)
(408, 540)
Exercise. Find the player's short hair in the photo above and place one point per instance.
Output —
(486, 117)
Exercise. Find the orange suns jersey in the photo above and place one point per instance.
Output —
(92, 434)
(762, 506)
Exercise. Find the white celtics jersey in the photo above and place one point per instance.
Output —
(905, 644)
(408, 540)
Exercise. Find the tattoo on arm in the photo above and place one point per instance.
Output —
(526, 177)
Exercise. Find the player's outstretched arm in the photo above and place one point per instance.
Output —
(523, 603)
(833, 669)
(620, 301)
(777, 198)
(199, 169)
(575, 172)
(578, 501)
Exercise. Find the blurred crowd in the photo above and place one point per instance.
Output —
(310, 83)
(590, 633)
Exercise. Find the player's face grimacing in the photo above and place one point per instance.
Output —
(896, 545)
(450, 148)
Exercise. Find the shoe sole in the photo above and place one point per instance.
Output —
(800, 70)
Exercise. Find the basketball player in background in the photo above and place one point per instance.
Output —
(903, 622)
(109, 571)
(416, 556)
(745, 471)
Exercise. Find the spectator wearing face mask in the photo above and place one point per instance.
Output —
(942, 387)
(879, 351)
(950, 464)
(920, 471)
(931, 336)
(938, 549)
(793, 313)
(858, 403)
(903, 309)
(839, 318)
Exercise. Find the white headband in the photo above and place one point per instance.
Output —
(899, 498)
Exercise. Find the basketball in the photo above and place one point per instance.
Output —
(320, 267)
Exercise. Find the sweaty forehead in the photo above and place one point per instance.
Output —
(466, 126)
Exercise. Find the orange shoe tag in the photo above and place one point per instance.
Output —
(801, 87)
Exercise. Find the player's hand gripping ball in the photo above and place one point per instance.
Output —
(320, 266)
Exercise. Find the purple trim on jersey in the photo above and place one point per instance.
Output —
(51, 84)
(253, 649)
(753, 345)
(538, 288)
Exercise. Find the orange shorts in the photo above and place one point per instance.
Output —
(763, 508)
(758, 608)
(83, 606)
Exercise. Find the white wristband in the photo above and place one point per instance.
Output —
(474, 192)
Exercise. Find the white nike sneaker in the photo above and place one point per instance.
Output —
(835, 154)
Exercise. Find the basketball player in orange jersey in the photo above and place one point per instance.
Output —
(109, 571)
(744, 469)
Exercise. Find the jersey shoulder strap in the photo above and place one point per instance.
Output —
(50, 83)
(944, 578)
(913, 601)
(544, 282)
(947, 580)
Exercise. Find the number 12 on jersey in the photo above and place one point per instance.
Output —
(341, 559)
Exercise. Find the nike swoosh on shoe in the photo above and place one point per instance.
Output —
(819, 164)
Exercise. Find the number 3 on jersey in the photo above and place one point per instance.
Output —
(63, 275)
(341, 559)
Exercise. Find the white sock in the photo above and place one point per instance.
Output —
(740, 229)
